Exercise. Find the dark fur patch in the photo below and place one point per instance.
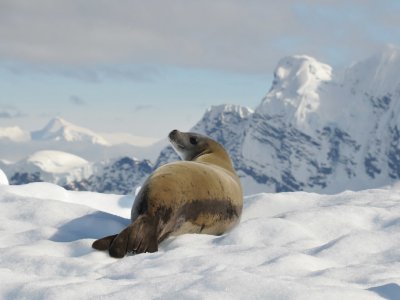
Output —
(224, 209)
(163, 213)
(143, 196)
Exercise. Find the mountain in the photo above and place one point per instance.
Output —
(50, 166)
(60, 130)
(61, 135)
(314, 130)
(225, 123)
(118, 176)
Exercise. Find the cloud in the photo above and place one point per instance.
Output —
(233, 35)
(77, 100)
(143, 107)
(10, 112)
(89, 73)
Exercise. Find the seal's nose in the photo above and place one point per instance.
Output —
(173, 134)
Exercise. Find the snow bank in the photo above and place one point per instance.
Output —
(3, 178)
(287, 246)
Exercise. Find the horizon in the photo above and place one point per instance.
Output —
(147, 68)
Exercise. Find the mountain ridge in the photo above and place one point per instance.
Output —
(313, 131)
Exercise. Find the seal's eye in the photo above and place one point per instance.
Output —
(193, 140)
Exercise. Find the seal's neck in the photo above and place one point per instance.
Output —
(216, 155)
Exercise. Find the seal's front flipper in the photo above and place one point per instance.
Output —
(103, 243)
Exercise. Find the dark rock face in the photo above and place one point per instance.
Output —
(119, 177)
(24, 178)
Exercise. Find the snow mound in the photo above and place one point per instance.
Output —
(287, 246)
(60, 130)
(56, 161)
(3, 178)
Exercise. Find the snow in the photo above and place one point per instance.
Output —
(295, 90)
(287, 246)
(56, 161)
(378, 74)
(216, 110)
(59, 129)
(3, 178)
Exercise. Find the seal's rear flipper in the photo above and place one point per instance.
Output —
(139, 237)
(103, 243)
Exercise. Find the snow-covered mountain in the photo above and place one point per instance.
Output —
(60, 130)
(50, 166)
(313, 130)
(119, 175)
(59, 134)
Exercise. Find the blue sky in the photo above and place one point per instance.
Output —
(146, 67)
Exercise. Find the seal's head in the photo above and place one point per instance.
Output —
(189, 145)
(200, 148)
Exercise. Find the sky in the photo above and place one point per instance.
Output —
(146, 67)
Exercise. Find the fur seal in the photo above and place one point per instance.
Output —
(201, 194)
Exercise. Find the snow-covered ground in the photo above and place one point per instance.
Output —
(287, 246)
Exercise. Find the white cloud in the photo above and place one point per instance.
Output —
(246, 36)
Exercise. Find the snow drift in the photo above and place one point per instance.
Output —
(287, 246)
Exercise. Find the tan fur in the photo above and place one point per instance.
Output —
(203, 195)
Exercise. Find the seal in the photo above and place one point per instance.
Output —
(200, 194)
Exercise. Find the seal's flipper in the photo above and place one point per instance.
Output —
(103, 243)
(139, 237)
(143, 237)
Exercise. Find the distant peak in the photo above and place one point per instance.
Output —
(56, 122)
(389, 52)
(377, 75)
(242, 111)
(299, 69)
(58, 129)
(294, 91)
